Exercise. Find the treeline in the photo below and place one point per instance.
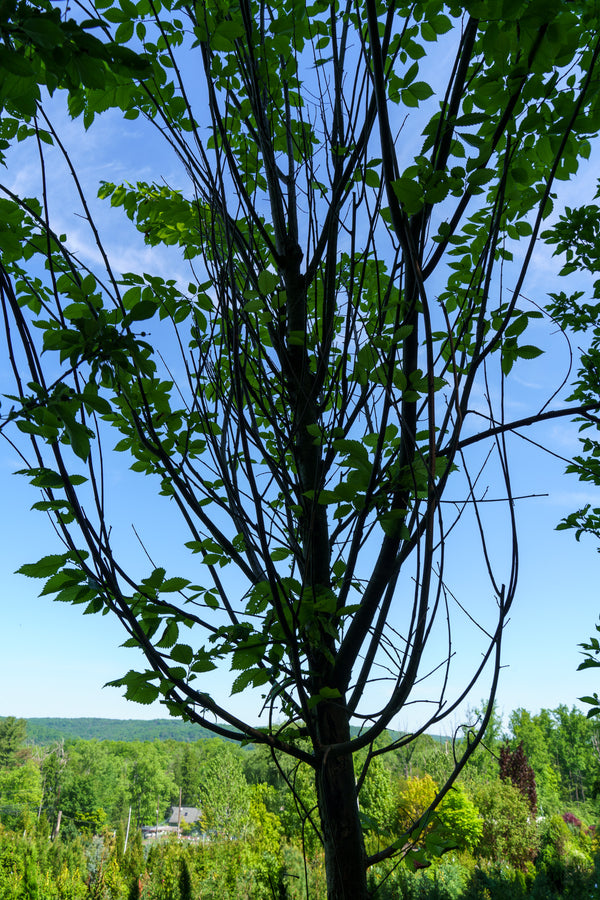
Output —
(47, 730)
(521, 823)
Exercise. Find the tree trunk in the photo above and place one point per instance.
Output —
(338, 809)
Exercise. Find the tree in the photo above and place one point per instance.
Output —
(20, 791)
(187, 776)
(514, 767)
(152, 790)
(527, 730)
(12, 738)
(349, 228)
(224, 794)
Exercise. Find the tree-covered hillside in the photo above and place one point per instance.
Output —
(46, 730)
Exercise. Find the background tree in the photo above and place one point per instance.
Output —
(224, 794)
(187, 776)
(349, 228)
(12, 739)
(527, 730)
(152, 788)
(514, 767)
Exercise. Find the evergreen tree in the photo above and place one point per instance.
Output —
(12, 738)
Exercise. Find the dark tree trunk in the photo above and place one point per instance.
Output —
(338, 808)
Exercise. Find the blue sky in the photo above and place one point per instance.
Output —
(55, 661)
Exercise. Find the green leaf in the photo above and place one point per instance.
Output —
(14, 62)
(145, 309)
(421, 90)
(170, 634)
(182, 653)
(47, 565)
(174, 584)
(43, 31)
(47, 478)
(479, 177)
(527, 351)
(211, 601)
(251, 677)
(138, 686)
(409, 194)
(95, 403)
(326, 693)
(124, 32)
(280, 553)
(372, 178)
(267, 282)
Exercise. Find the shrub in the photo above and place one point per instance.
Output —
(509, 831)
(446, 879)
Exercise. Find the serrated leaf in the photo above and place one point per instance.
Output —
(174, 584)
(254, 677)
(155, 579)
(528, 351)
(267, 282)
(280, 553)
(204, 664)
(409, 194)
(182, 653)
(211, 601)
(47, 565)
(170, 634)
(138, 687)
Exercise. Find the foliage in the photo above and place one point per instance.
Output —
(262, 858)
(20, 792)
(303, 874)
(12, 737)
(509, 831)
(447, 879)
(460, 819)
(515, 767)
(416, 796)
(344, 303)
(152, 789)
(51, 730)
(538, 744)
(456, 823)
(268, 859)
(378, 799)
(565, 863)
(224, 794)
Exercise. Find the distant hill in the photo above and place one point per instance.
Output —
(46, 731)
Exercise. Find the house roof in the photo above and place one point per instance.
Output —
(189, 814)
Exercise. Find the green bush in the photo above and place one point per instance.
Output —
(301, 878)
(510, 835)
(446, 879)
(492, 881)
